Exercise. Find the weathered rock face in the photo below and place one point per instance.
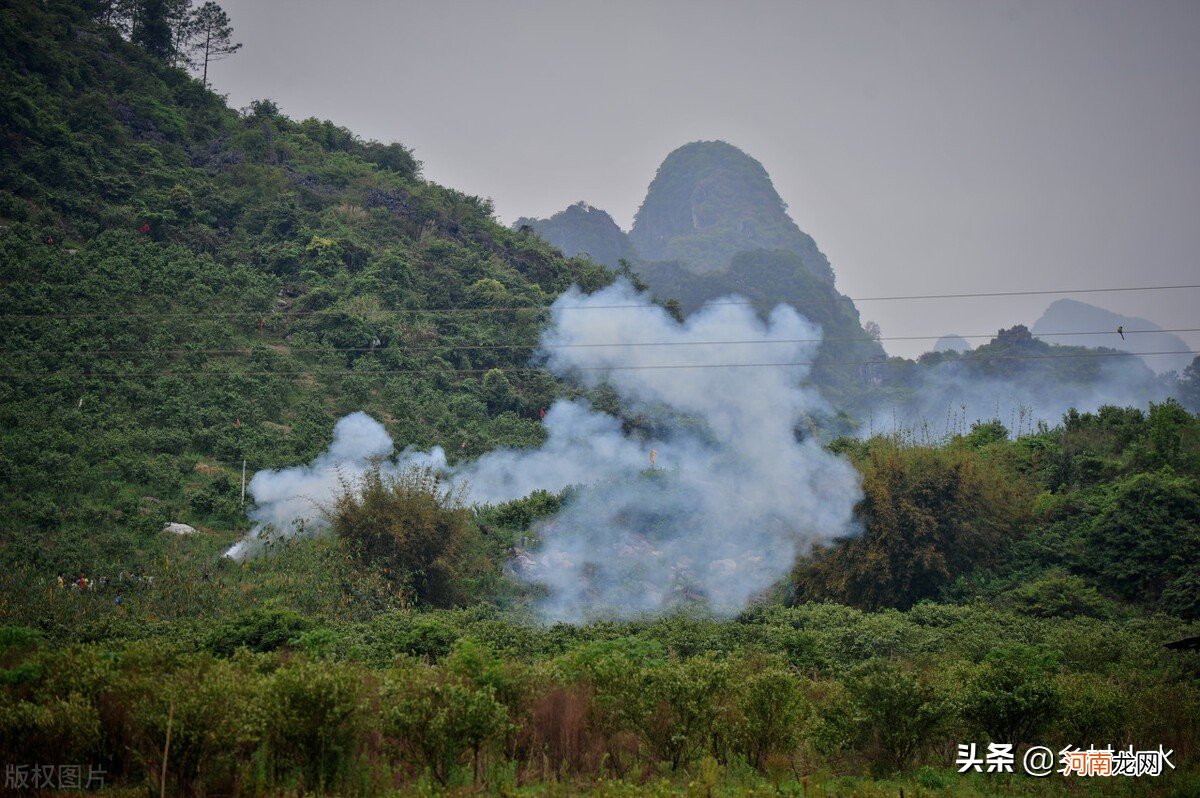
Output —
(582, 229)
(712, 225)
(710, 201)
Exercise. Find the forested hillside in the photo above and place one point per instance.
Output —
(185, 287)
(188, 289)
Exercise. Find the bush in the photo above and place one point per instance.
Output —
(1060, 595)
(63, 729)
(1146, 533)
(1094, 710)
(410, 524)
(210, 704)
(770, 711)
(897, 714)
(311, 716)
(1013, 696)
(521, 513)
(256, 629)
(1182, 596)
(435, 718)
(929, 515)
(601, 677)
(676, 706)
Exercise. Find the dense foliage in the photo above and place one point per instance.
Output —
(410, 526)
(186, 288)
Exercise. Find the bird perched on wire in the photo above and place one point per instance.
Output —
(1121, 331)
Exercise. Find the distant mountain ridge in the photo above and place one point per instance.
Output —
(712, 225)
(1073, 316)
(951, 343)
(710, 201)
(581, 229)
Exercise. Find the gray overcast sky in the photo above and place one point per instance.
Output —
(926, 146)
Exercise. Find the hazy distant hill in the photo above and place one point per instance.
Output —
(583, 230)
(1072, 316)
(951, 343)
(713, 225)
(708, 202)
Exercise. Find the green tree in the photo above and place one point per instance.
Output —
(678, 704)
(897, 714)
(312, 715)
(770, 709)
(158, 26)
(1189, 385)
(1168, 422)
(210, 37)
(436, 718)
(1013, 696)
(412, 526)
(928, 515)
(1146, 533)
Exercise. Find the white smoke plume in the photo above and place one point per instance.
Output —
(291, 496)
(733, 495)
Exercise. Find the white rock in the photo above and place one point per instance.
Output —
(179, 529)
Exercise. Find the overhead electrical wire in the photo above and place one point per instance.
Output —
(265, 312)
(514, 369)
(472, 347)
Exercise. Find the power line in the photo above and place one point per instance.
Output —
(464, 347)
(519, 369)
(265, 313)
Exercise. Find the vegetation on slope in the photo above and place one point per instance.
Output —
(708, 202)
(581, 229)
(185, 287)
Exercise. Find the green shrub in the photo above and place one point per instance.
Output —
(1057, 594)
(413, 527)
(929, 515)
(50, 729)
(210, 705)
(676, 706)
(435, 718)
(1146, 533)
(1012, 696)
(265, 629)
(897, 714)
(769, 715)
(311, 717)
(1182, 596)
(1094, 710)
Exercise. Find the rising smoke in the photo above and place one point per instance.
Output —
(732, 497)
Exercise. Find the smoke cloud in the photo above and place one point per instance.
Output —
(946, 398)
(733, 495)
